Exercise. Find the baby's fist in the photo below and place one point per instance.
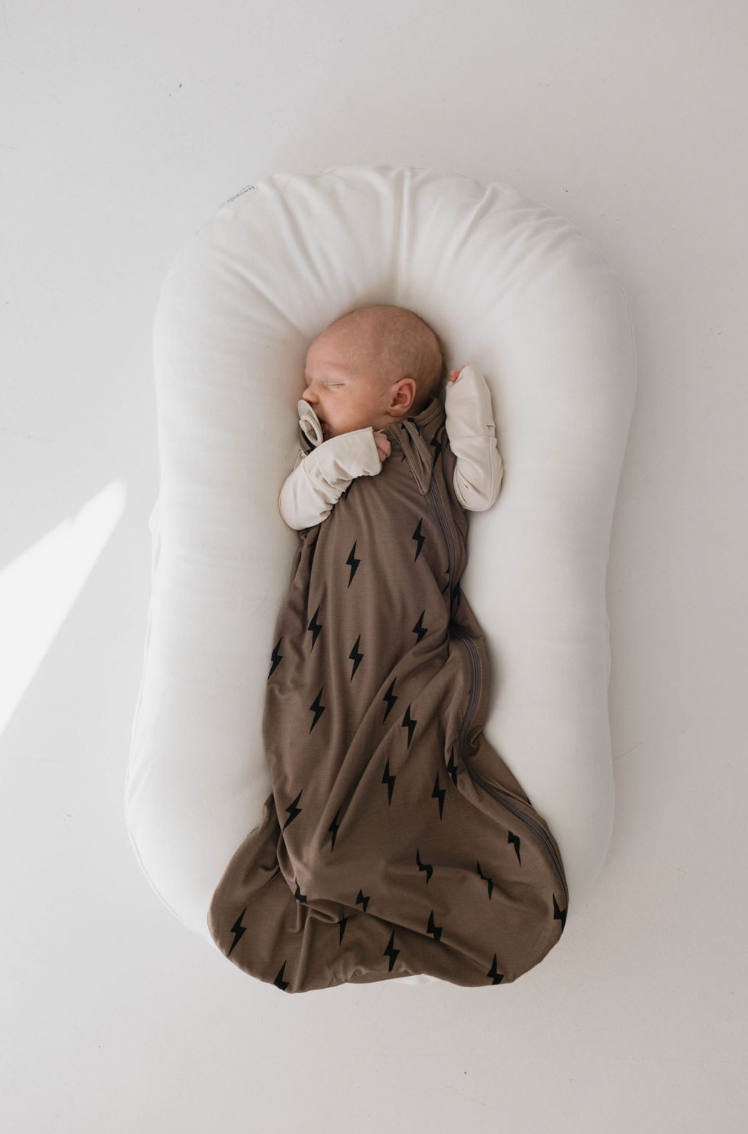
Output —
(382, 443)
(455, 374)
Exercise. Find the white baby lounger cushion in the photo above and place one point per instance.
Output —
(509, 286)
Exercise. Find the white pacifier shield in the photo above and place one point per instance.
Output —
(310, 423)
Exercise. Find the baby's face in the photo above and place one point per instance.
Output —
(343, 386)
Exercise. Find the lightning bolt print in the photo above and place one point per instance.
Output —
(238, 930)
(419, 629)
(293, 810)
(446, 585)
(279, 982)
(352, 562)
(355, 656)
(433, 929)
(380, 848)
(276, 657)
(317, 708)
(390, 698)
(409, 723)
(438, 793)
(389, 780)
(419, 539)
(298, 894)
(494, 973)
(485, 878)
(315, 627)
(391, 951)
(333, 829)
(424, 866)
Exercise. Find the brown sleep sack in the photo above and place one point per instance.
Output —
(395, 840)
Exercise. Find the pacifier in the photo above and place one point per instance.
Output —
(310, 423)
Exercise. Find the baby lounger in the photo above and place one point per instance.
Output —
(509, 286)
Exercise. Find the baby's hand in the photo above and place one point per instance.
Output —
(455, 374)
(382, 443)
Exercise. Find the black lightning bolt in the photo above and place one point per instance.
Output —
(437, 447)
(559, 913)
(438, 793)
(293, 810)
(417, 536)
(364, 901)
(318, 708)
(515, 839)
(342, 923)
(355, 655)
(238, 930)
(315, 627)
(352, 562)
(419, 628)
(334, 829)
(494, 973)
(433, 929)
(409, 723)
(276, 657)
(446, 585)
(389, 780)
(485, 878)
(451, 766)
(298, 894)
(424, 866)
(391, 951)
(279, 982)
(390, 698)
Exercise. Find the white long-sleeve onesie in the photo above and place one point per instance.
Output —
(320, 476)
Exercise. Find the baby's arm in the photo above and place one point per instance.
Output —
(320, 476)
(472, 438)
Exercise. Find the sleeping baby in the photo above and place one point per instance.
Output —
(396, 843)
(373, 369)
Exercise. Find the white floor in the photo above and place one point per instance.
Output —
(123, 128)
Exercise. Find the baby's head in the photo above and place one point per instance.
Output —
(373, 366)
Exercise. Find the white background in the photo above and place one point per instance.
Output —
(122, 128)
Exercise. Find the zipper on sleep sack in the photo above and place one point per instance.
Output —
(438, 507)
(497, 792)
